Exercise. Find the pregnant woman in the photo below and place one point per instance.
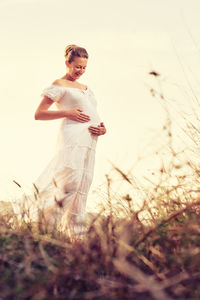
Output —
(64, 184)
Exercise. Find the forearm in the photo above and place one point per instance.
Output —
(51, 114)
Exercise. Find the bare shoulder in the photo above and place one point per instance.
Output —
(62, 82)
(58, 82)
(66, 83)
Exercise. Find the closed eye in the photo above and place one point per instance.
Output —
(80, 67)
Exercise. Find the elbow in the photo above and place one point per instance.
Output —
(36, 116)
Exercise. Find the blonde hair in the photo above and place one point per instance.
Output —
(73, 50)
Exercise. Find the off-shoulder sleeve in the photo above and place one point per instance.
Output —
(54, 92)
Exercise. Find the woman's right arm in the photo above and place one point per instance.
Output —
(42, 112)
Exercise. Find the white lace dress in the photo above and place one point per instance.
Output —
(65, 182)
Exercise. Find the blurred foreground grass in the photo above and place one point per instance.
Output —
(118, 258)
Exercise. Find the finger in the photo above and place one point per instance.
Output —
(79, 118)
(92, 128)
(83, 120)
(84, 115)
(79, 109)
(94, 131)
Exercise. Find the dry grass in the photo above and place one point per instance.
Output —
(118, 258)
(151, 252)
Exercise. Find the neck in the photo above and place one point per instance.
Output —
(68, 77)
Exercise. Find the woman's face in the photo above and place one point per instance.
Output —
(77, 67)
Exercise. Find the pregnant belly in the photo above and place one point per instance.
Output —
(91, 112)
(76, 133)
(94, 122)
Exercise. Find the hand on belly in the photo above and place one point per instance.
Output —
(94, 130)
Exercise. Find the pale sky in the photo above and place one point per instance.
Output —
(125, 40)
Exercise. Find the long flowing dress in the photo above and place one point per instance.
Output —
(63, 186)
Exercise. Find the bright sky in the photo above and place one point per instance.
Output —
(125, 40)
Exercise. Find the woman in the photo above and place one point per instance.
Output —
(64, 184)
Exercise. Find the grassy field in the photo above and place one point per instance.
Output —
(151, 253)
(128, 252)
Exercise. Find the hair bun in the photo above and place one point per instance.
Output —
(73, 50)
(69, 48)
